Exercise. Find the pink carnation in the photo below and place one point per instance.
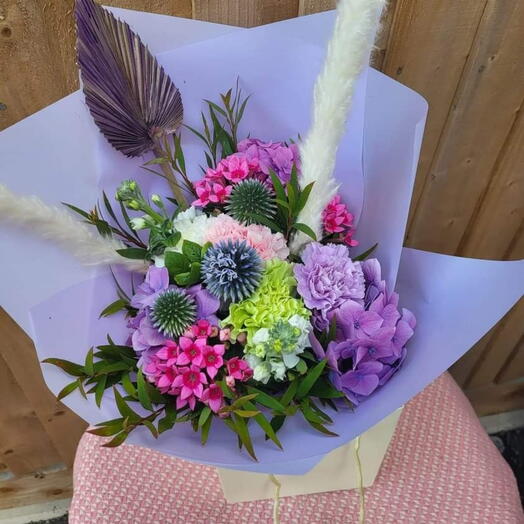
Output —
(268, 245)
(224, 227)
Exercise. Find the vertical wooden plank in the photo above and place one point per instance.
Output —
(499, 351)
(37, 51)
(384, 35)
(482, 115)
(428, 47)
(24, 444)
(232, 12)
(512, 369)
(496, 398)
(35, 489)
(461, 370)
(308, 7)
(35, 66)
(62, 426)
(516, 247)
(182, 8)
(245, 13)
(499, 213)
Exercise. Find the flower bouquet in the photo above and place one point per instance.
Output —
(252, 299)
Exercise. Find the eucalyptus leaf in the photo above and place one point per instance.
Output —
(310, 378)
(143, 395)
(68, 389)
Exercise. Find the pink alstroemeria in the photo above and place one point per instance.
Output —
(213, 397)
(234, 168)
(169, 353)
(213, 360)
(190, 381)
(192, 351)
(239, 369)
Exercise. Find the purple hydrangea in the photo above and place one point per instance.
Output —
(155, 283)
(144, 335)
(327, 279)
(271, 155)
(370, 341)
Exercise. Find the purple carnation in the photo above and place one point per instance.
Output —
(276, 156)
(327, 279)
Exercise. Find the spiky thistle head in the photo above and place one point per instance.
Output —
(250, 199)
(173, 312)
(231, 270)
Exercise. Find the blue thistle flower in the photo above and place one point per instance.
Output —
(231, 270)
(249, 200)
(173, 312)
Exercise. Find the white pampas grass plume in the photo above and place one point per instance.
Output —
(347, 54)
(61, 228)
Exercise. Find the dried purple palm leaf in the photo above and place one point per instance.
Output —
(131, 98)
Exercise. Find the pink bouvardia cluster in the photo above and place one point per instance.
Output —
(337, 220)
(268, 244)
(254, 159)
(187, 367)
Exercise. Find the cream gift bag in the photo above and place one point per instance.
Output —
(337, 471)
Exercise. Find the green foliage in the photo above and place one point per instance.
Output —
(220, 127)
(290, 200)
(185, 268)
(96, 218)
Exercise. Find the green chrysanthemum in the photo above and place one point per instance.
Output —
(173, 312)
(272, 302)
(249, 200)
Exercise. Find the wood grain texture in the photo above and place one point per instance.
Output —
(481, 118)
(24, 444)
(244, 13)
(497, 219)
(37, 51)
(496, 398)
(34, 489)
(181, 8)
(37, 63)
(308, 7)
(429, 44)
(499, 352)
(63, 427)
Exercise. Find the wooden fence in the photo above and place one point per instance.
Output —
(465, 57)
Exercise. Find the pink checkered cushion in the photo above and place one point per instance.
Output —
(440, 468)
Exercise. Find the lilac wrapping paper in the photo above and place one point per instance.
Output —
(456, 300)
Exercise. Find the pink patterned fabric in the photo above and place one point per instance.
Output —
(440, 468)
